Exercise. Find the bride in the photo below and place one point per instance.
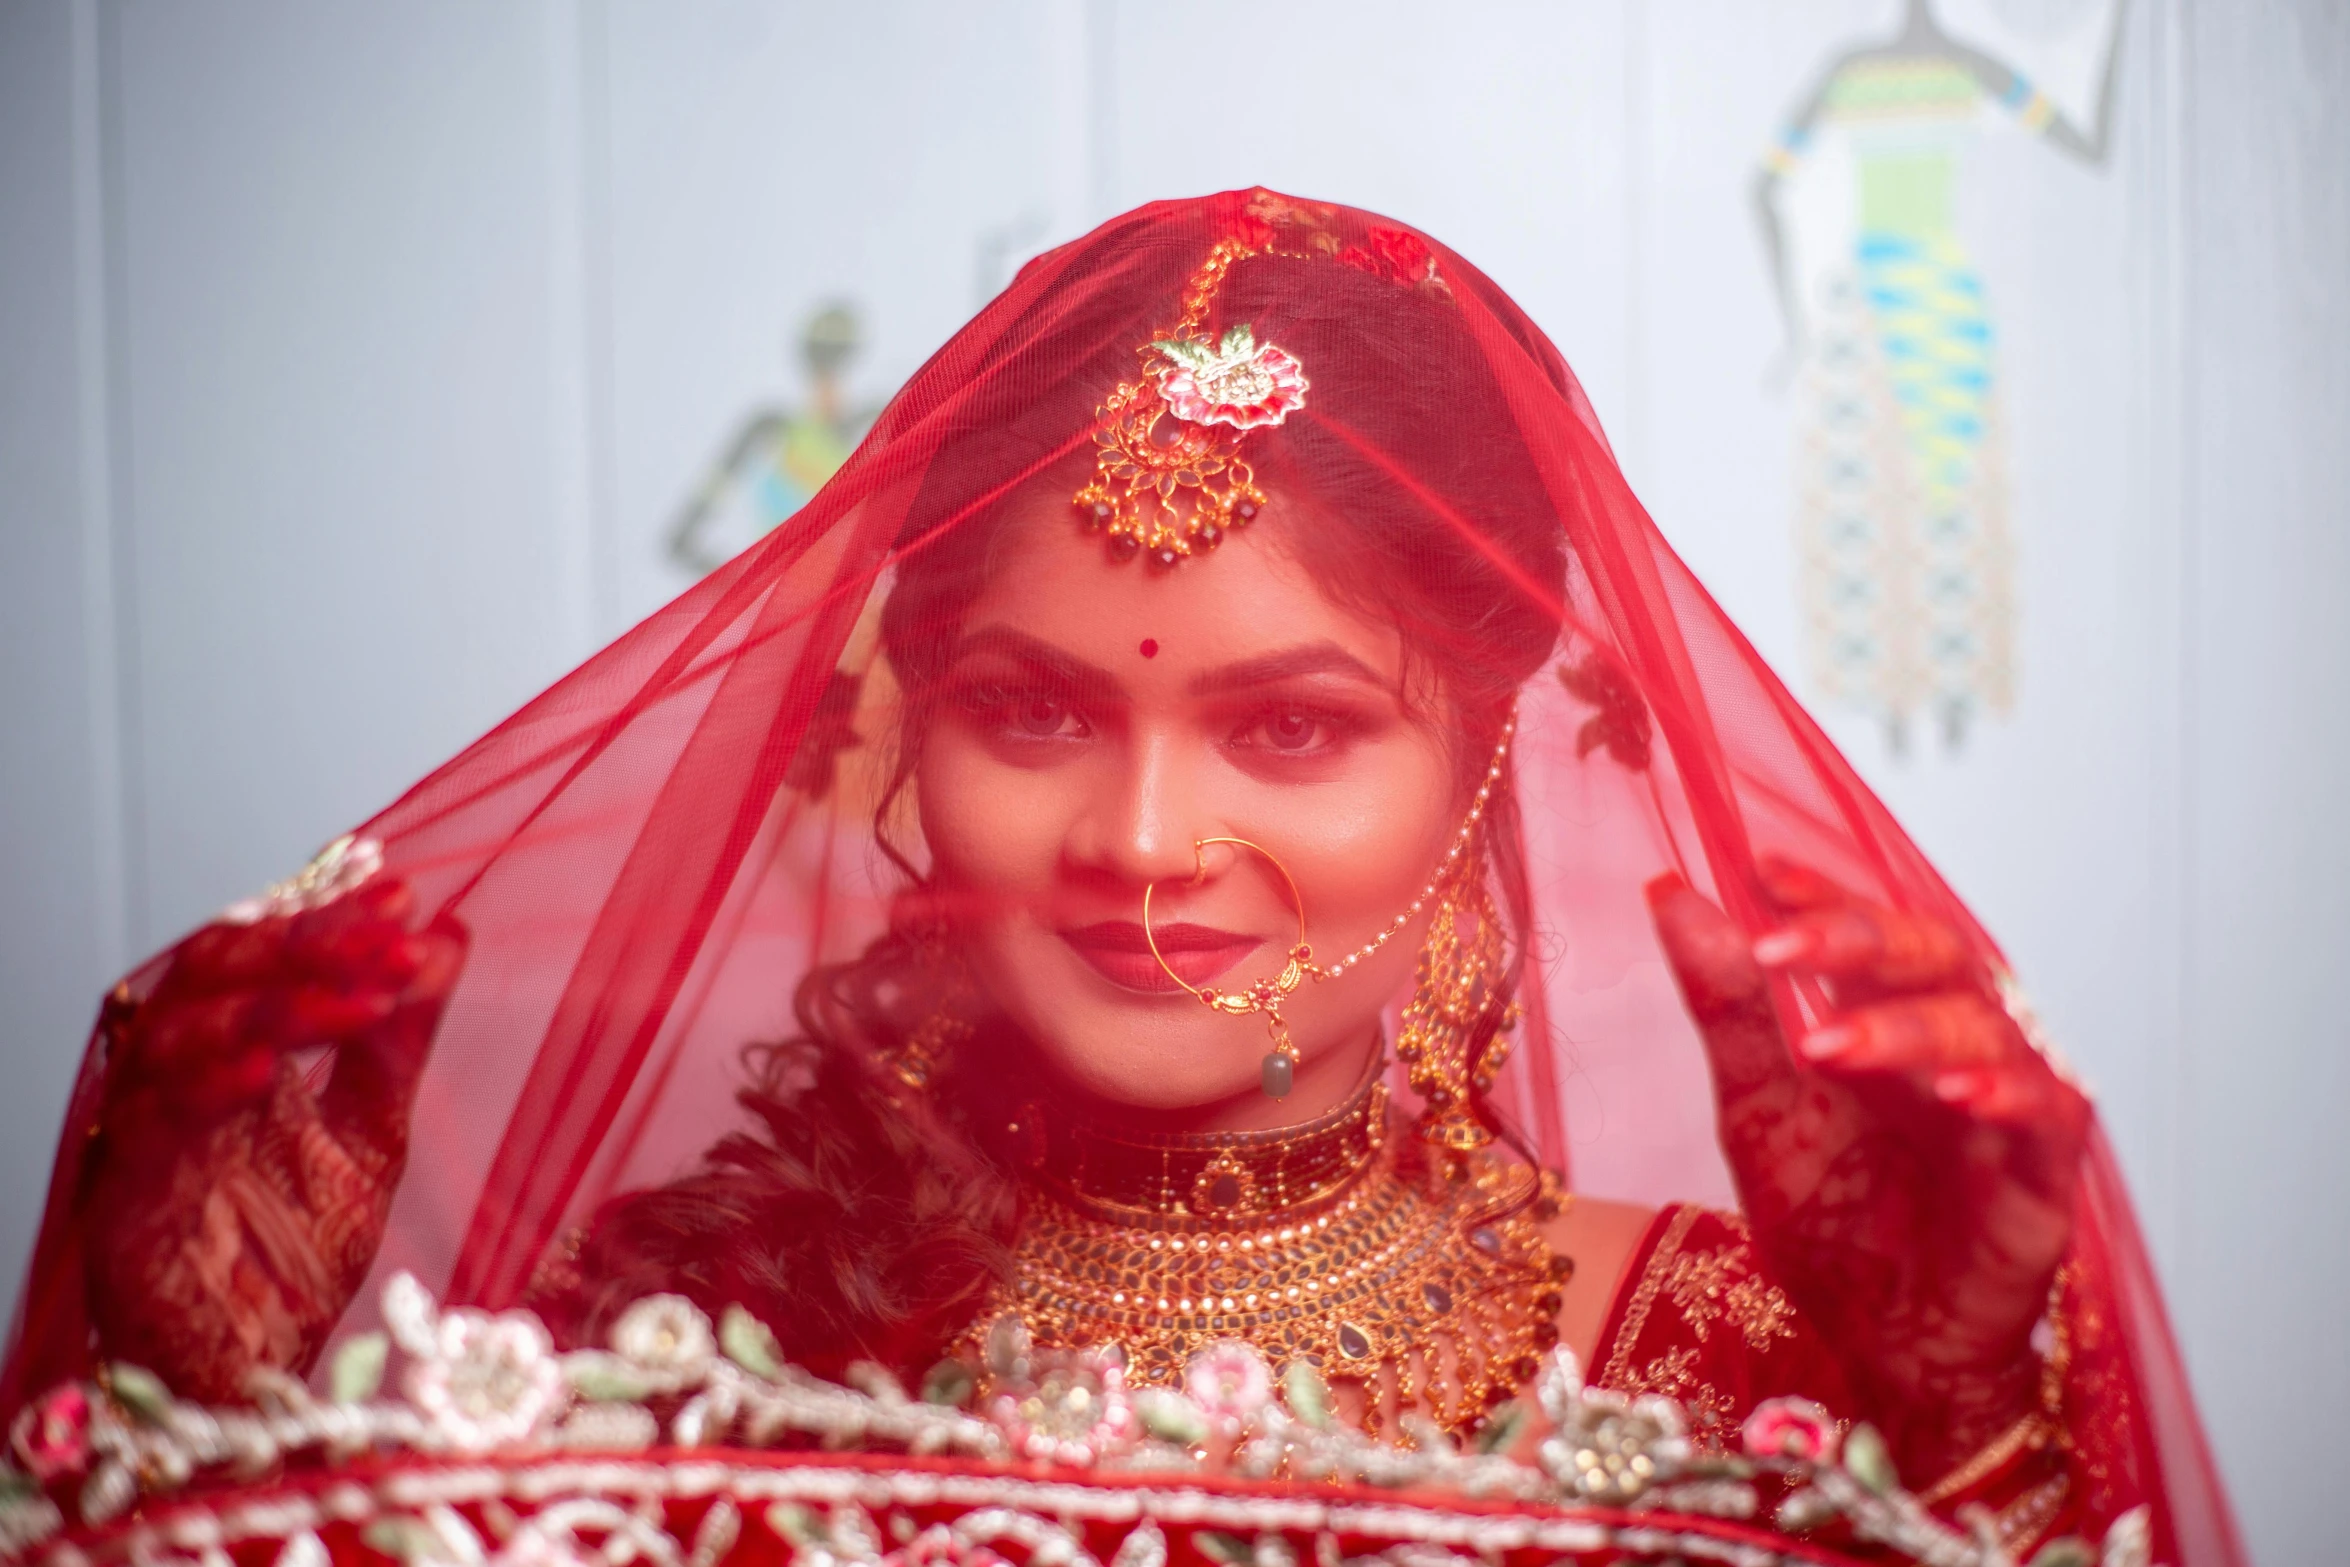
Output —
(1225, 822)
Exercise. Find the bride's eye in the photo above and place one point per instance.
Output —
(1040, 715)
(1019, 712)
(1292, 731)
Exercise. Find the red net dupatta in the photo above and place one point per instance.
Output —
(534, 975)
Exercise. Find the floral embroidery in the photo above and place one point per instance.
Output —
(1229, 1380)
(1671, 1373)
(1071, 1409)
(1674, 1374)
(1697, 1284)
(668, 1335)
(1790, 1428)
(551, 1449)
(1760, 1310)
(482, 1381)
(1239, 381)
(1721, 1285)
(52, 1436)
(1709, 1286)
(1397, 255)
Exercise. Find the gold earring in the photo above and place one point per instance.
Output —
(1279, 1073)
(1452, 1042)
(916, 1060)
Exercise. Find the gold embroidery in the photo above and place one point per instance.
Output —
(1698, 1283)
(2023, 1521)
(2031, 1431)
(1652, 1278)
(1671, 1373)
(1674, 1374)
(1760, 1310)
(1722, 1285)
(1717, 1285)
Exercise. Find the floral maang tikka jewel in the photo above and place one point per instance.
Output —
(1169, 481)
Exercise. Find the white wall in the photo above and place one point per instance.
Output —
(331, 330)
(2260, 1246)
(62, 866)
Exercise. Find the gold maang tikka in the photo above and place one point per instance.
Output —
(1169, 481)
(1458, 982)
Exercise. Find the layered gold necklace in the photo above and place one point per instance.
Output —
(1429, 1288)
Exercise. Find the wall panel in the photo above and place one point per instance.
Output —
(2265, 1167)
(335, 255)
(1500, 128)
(763, 161)
(61, 884)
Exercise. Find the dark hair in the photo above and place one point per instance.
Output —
(859, 1222)
(862, 1220)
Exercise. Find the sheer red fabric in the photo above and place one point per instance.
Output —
(637, 865)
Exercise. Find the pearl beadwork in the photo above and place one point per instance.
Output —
(1459, 847)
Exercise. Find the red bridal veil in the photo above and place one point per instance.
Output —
(647, 856)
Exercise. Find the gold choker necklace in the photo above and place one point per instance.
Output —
(1426, 1291)
(1116, 1174)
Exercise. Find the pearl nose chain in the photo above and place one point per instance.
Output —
(1265, 996)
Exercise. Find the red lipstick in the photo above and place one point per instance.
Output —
(1121, 954)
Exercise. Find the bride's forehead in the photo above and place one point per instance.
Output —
(1246, 598)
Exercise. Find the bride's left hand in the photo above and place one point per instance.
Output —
(1909, 1165)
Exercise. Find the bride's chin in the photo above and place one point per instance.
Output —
(1116, 1055)
(1159, 1096)
(1158, 1052)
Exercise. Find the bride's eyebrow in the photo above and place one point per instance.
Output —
(1087, 682)
(1312, 658)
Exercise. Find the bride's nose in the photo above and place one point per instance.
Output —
(1141, 822)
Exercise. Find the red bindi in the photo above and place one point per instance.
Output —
(1150, 647)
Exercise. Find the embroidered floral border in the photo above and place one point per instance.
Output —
(493, 1419)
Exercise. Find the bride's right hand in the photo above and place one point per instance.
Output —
(253, 1127)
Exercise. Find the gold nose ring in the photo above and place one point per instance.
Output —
(1265, 996)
